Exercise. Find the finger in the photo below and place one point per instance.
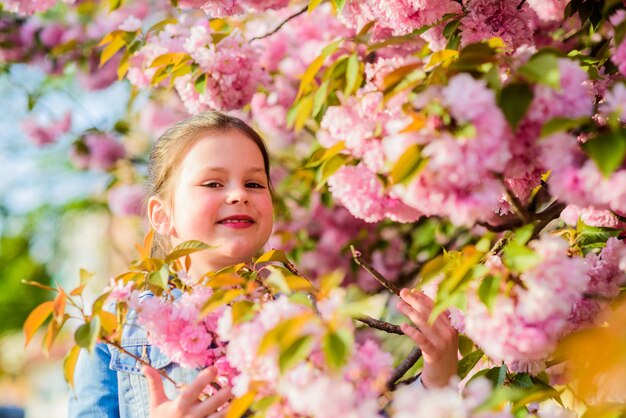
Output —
(213, 403)
(438, 333)
(419, 339)
(190, 395)
(155, 387)
(423, 303)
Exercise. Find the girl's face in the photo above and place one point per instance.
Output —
(221, 197)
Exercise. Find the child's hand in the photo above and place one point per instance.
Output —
(438, 342)
(187, 404)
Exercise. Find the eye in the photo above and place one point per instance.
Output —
(254, 185)
(212, 184)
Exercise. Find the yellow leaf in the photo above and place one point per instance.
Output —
(312, 5)
(239, 406)
(330, 281)
(220, 299)
(223, 280)
(85, 276)
(304, 111)
(111, 49)
(443, 57)
(316, 65)
(408, 164)
(273, 255)
(108, 321)
(109, 37)
(69, 364)
(285, 333)
(398, 74)
(36, 318)
(169, 58)
(147, 242)
(78, 291)
(59, 305)
(418, 122)
(122, 69)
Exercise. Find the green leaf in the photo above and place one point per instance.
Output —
(519, 258)
(489, 289)
(320, 98)
(514, 100)
(467, 363)
(497, 375)
(339, 3)
(328, 168)
(451, 28)
(185, 248)
(295, 352)
(409, 164)
(337, 347)
(199, 84)
(352, 74)
(87, 334)
(542, 68)
(562, 124)
(523, 234)
(591, 236)
(522, 380)
(161, 277)
(607, 151)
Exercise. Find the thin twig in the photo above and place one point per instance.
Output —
(142, 361)
(409, 380)
(371, 270)
(404, 367)
(380, 325)
(281, 25)
(521, 4)
(499, 245)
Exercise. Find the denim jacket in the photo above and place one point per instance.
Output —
(109, 383)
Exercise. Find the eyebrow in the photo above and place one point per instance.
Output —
(225, 170)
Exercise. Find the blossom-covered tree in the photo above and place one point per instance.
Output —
(473, 148)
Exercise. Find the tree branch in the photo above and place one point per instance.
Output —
(380, 325)
(371, 270)
(281, 25)
(548, 215)
(521, 4)
(518, 207)
(403, 367)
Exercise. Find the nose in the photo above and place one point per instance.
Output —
(237, 195)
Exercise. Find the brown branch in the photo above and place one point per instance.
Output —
(499, 245)
(281, 25)
(521, 4)
(371, 270)
(404, 367)
(502, 227)
(380, 325)
(518, 206)
(548, 215)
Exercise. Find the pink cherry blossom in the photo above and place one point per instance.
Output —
(487, 19)
(42, 135)
(27, 7)
(97, 151)
(127, 200)
(619, 57)
(548, 10)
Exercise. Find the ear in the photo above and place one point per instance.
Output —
(159, 216)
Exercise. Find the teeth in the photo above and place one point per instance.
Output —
(235, 221)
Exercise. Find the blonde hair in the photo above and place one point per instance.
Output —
(171, 148)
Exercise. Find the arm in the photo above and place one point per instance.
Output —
(438, 341)
(95, 386)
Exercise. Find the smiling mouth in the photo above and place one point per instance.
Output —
(237, 219)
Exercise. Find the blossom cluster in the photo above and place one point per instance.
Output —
(223, 8)
(526, 329)
(309, 388)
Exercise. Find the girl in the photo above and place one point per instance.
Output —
(209, 181)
